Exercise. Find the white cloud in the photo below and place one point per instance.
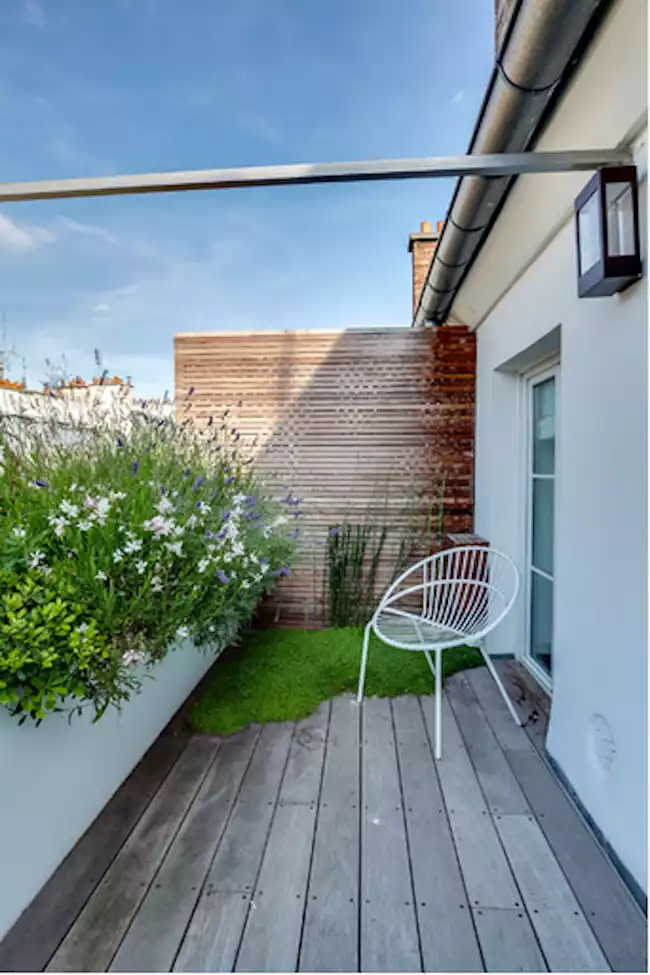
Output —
(458, 97)
(88, 229)
(34, 13)
(21, 238)
(101, 309)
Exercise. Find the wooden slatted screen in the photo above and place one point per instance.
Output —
(362, 425)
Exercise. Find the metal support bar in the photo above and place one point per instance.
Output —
(505, 164)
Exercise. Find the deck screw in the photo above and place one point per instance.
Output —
(520, 915)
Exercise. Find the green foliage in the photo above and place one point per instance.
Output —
(120, 537)
(283, 675)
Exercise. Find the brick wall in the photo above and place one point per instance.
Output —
(421, 246)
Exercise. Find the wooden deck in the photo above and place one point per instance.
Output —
(338, 844)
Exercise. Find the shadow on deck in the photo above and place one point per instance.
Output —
(338, 844)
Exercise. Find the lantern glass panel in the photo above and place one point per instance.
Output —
(589, 233)
(619, 206)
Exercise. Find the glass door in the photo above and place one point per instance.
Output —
(542, 397)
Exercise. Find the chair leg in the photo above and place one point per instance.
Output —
(364, 658)
(438, 704)
(499, 683)
(427, 654)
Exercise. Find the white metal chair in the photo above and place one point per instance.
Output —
(464, 593)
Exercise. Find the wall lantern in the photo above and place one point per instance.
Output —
(607, 232)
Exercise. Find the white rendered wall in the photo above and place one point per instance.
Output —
(55, 779)
(520, 294)
(600, 648)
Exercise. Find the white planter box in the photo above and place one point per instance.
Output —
(55, 779)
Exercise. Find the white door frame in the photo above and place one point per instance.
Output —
(548, 369)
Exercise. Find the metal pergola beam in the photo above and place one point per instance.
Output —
(512, 164)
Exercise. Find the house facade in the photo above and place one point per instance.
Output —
(561, 443)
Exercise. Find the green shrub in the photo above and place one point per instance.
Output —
(117, 541)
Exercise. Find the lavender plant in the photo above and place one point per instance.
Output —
(120, 536)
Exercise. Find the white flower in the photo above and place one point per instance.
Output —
(117, 495)
(118, 555)
(257, 579)
(82, 628)
(254, 558)
(19, 532)
(99, 508)
(280, 520)
(175, 547)
(101, 576)
(227, 558)
(59, 524)
(211, 629)
(35, 559)
(245, 584)
(133, 545)
(164, 506)
(141, 567)
(74, 486)
(45, 569)
(156, 584)
(132, 657)
(191, 522)
(84, 525)
(204, 507)
(203, 564)
(237, 549)
(183, 632)
(69, 509)
(159, 525)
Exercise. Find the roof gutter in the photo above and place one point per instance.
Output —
(546, 40)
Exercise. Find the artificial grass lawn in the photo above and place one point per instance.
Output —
(283, 675)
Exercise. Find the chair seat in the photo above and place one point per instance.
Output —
(414, 633)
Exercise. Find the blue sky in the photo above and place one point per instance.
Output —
(90, 87)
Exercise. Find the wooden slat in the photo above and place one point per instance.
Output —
(344, 420)
(96, 934)
(210, 940)
(389, 936)
(497, 780)
(610, 908)
(34, 938)
(508, 734)
(447, 934)
(508, 941)
(488, 877)
(564, 934)
(271, 940)
(331, 934)
(302, 778)
(238, 859)
(155, 934)
(213, 938)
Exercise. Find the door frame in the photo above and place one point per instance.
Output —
(549, 368)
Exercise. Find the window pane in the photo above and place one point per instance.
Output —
(541, 621)
(544, 427)
(543, 499)
(620, 219)
(589, 233)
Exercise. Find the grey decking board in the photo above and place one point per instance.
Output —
(31, 942)
(331, 932)
(93, 939)
(507, 733)
(238, 859)
(508, 941)
(271, 939)
(447, 934)
(564, 934)
(388, 929)
(611, 910)
(302, 777)
(499, 785)
(213, 939)
(486, 871)
(157, 929)
(530, 701)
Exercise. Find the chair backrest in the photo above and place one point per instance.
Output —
(467, 590)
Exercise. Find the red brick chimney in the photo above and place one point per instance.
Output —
(422, 246)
